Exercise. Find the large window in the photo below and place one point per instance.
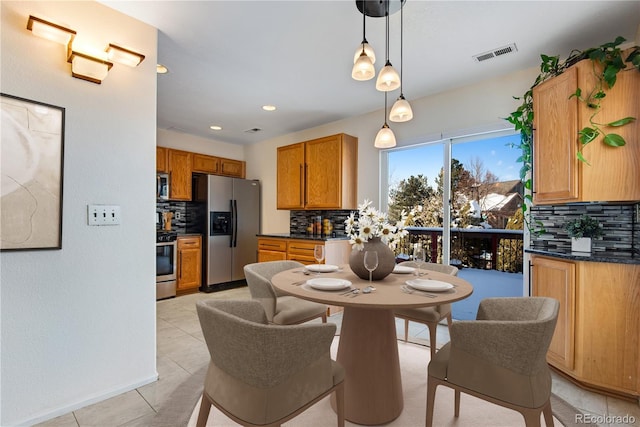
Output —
(466, 193)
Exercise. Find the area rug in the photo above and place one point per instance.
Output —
(182, 407)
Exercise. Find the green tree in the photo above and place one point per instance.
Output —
(411, 192)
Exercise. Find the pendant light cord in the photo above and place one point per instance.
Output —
(364, 23)
(401, 44)
(386, 14)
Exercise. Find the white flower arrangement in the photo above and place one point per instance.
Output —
(373, 223)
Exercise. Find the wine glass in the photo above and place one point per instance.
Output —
(419, 256)
(318, 254)
(370, 262)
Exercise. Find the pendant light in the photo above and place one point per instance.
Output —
(364, 57)
(401, 110)
(385, 137)
(388, 79)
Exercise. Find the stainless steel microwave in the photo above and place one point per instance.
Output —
(163, 183)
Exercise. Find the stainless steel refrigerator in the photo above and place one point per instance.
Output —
(233, 221)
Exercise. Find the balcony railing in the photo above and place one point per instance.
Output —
(487, 249)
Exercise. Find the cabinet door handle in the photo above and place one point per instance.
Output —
(301, 186)
(180, 265)
(530, 276)
(306, 173)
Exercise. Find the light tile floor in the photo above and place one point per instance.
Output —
(181, 351)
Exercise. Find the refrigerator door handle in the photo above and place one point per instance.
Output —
(235, 223)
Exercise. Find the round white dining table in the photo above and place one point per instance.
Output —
(368, 348)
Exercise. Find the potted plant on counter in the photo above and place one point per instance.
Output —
(582, 230)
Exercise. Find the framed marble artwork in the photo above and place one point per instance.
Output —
(31, 166)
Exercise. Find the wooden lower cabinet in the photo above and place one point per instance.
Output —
(301, 250)
(189, 264)
(557, 279)
(272, 250)
(597, 336)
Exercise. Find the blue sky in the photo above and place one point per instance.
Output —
(494, 153)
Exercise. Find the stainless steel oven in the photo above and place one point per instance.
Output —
(166, 260)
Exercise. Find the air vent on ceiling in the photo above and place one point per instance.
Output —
(512, 48)
(176, 129)
(253, 130)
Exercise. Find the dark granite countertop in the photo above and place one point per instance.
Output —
(608, 256)
(302, 236)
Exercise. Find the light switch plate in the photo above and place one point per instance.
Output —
(103, 215)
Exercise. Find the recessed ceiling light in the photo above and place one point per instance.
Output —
(269, 107)
(161, 69)
(215, 127)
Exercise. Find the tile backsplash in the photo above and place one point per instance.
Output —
(299, 220)
(621, 230)
(187, 216)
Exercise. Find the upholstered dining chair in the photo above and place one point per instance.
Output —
(429, 316)
(500, 357)
(280, 308)
(261, 374)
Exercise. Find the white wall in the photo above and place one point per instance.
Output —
(196, 144)
(457, 111)
(78, 324)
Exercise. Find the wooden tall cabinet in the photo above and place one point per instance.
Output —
(180, 174)
(318, 174)
(597, 337)
(558, 176)
(189, 268)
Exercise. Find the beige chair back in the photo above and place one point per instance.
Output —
(258, 276)
(440, 268)
(261, 373)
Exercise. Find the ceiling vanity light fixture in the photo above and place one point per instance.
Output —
(161, 69)
(215, 127)
(90, 67)
(401, 110)
(269, 107)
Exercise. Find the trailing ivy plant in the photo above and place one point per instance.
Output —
(607, 61)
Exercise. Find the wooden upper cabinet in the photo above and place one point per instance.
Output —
(331, 174)
(234, 168)
(180, 173)
(555, 120)
(162, 163)
(319, 174)
(290, 180)
(206, 164)
(558, 177)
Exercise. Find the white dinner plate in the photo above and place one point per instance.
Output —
(429, 285)
(322, 268)
(403, 269)
(328, 283)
